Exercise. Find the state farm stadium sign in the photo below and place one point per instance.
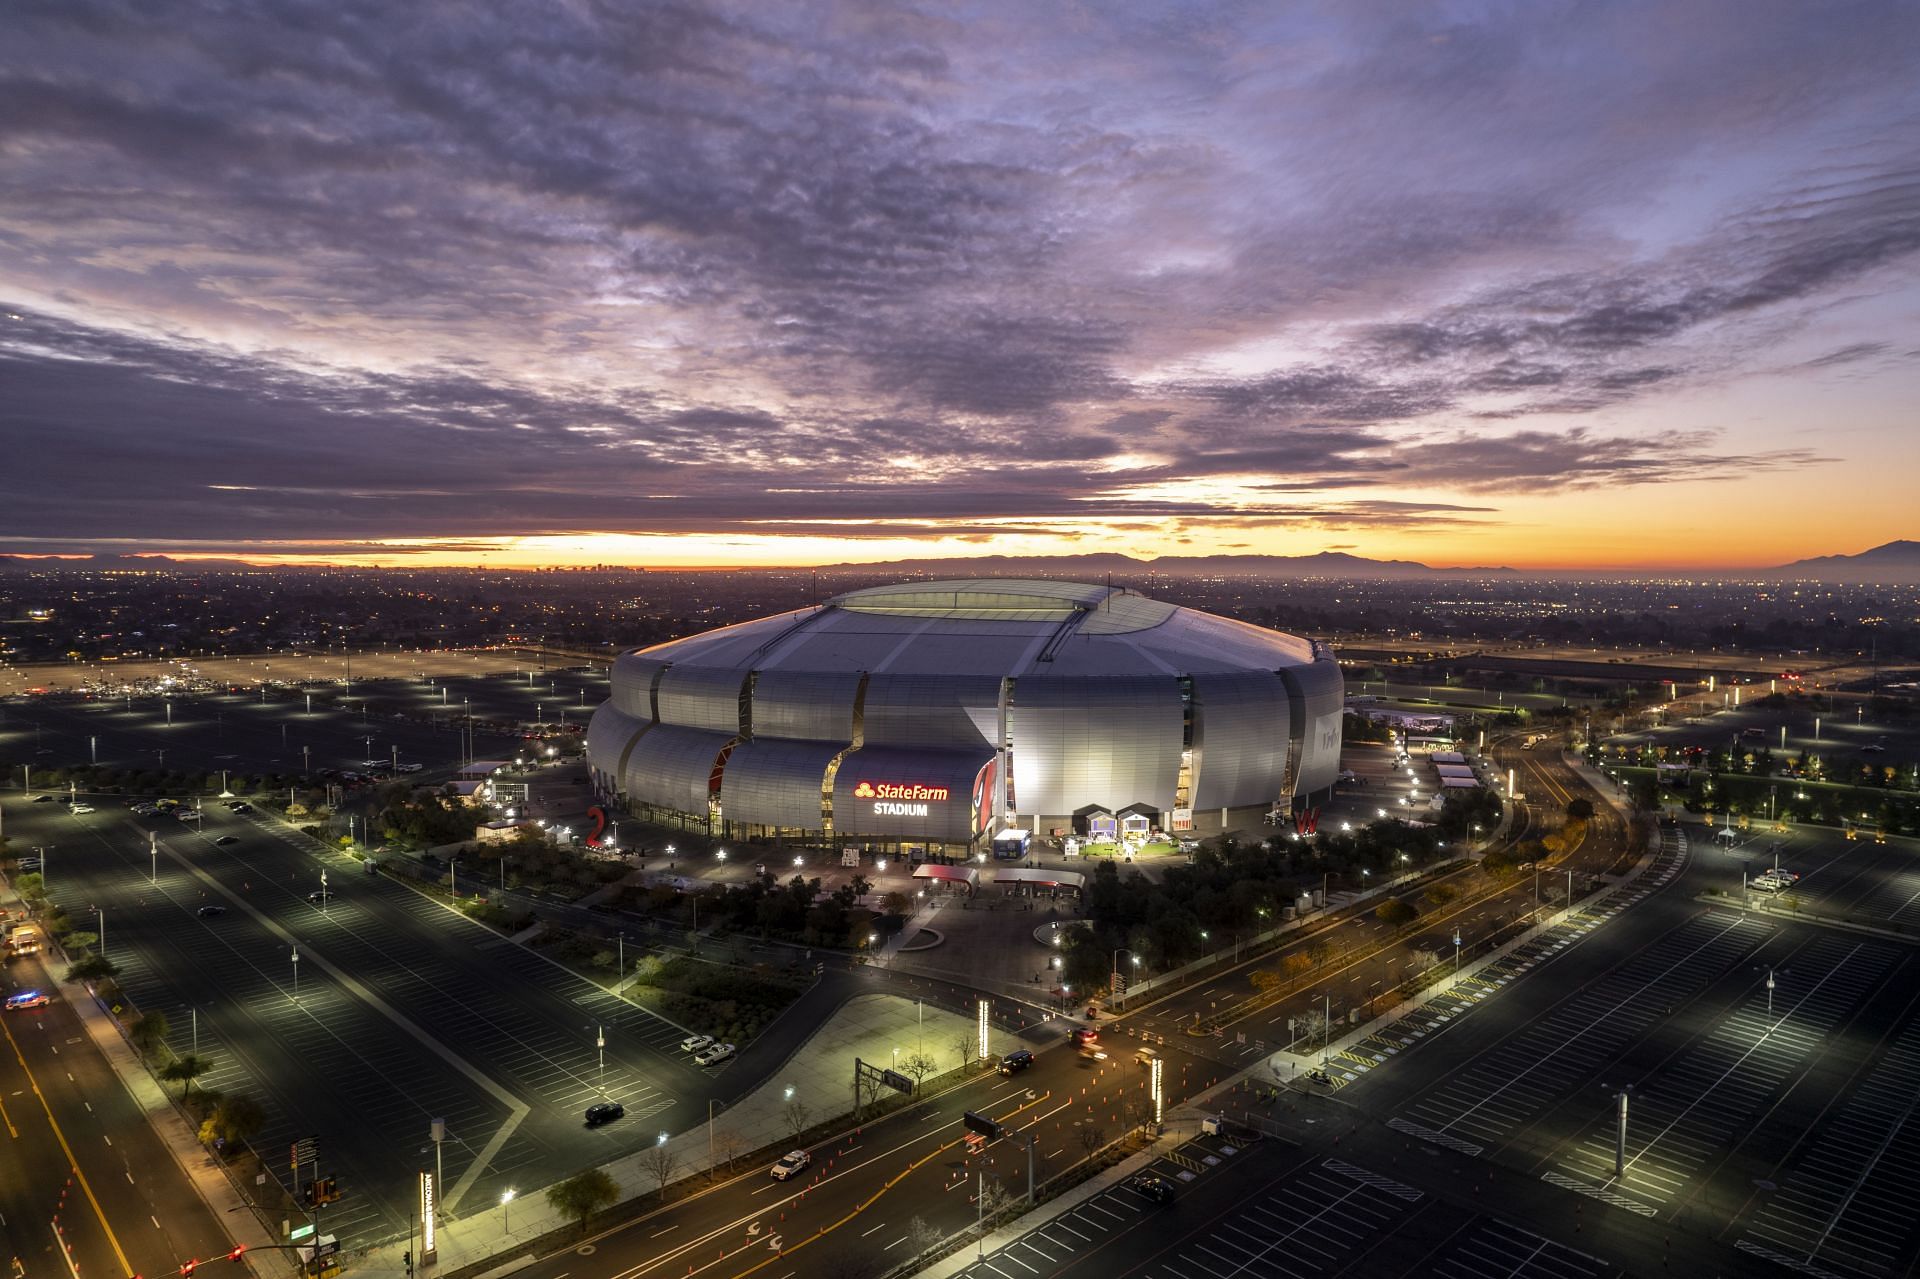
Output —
(900, 799)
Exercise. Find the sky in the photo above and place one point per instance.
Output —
(1542, 285)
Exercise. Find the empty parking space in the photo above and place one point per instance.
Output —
(1846, 1206)
(1508, 1086)
(1685, 1117)
(1488, 1249)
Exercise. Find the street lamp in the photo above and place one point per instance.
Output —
(296, 974)
(1456, 950)
(600, 1046)
(506, 1197)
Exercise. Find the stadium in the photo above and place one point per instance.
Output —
(931, 717)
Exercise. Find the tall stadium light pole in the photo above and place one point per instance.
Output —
(296, 974)
(600, 1046)
(153, 853)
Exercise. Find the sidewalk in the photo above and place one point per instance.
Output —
(819, 1076)
(222, 1198)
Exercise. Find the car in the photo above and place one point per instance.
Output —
(411, 768)
(27, 999)
(694, 1043)
(713, 1056)
(1146, 1056)
(241, 806)
(43, 799)
(604, 1112)
(1872, 748)
(187, 814)
(319, 896)
(225, 840)
(83, 808)
(1014, 1063)
(1319, 1076)
(1084, 1035)
(211, 912)
(1091, 1054)
(1152, 1185)
(145, 810)
(788, 1164)
(27, 864)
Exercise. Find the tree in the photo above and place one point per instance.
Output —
(91, 968)
(922, 1236)
(964, 1044)
(238, 1119)
(149, 1032)
(728, 1145)
(993, 1199)
(796, 1113)
(918, 1066)
(584, 1194)
(1091, 1138)
(660, 1161)
(184, 1070)
(1265, 981)
(1580, 810)
(1395, 914)
(80, 940)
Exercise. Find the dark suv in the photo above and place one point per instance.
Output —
(1013, 1063)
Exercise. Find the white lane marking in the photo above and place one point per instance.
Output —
(865, 1233)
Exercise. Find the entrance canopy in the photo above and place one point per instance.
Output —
(954, 874)
(1030, 875)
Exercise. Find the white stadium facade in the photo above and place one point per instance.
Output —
(929, 716)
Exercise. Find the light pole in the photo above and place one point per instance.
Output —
(1456, 950)
(296, 974)
(153, 853)
(1119, 991)
(100, 914)
(506, 1197)
(323, 890)
(600, 1047)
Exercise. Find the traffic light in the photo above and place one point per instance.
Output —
(233, 1253)
(406, 1259)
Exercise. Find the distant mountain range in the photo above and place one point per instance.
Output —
(1894, 564)
(111, 563)
(1094, 567)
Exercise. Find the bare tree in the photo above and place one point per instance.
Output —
(729, 1145)
(797, 1113)
(964, 1045)
(919, 1066)
(921, 1236)
(660, 1161)
(993, 1200)
(1091, 1137)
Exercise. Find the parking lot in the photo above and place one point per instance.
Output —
(396, 1013)
(1861, 880)
(291, 731)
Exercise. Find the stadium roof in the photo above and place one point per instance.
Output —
(992, 627)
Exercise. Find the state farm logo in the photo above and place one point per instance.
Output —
(899, 790)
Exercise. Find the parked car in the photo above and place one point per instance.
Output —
(240, 806)
(82, 808)
(604, 1112)
(211, 912)
(43, 799)
(27, 999)
(788, 1164)
(1152, 1185)
(225, 840)
(320, 896)
(694, 1043)
(713, 1056)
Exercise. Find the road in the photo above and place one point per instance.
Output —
(79, 1150)
(1366, 964)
